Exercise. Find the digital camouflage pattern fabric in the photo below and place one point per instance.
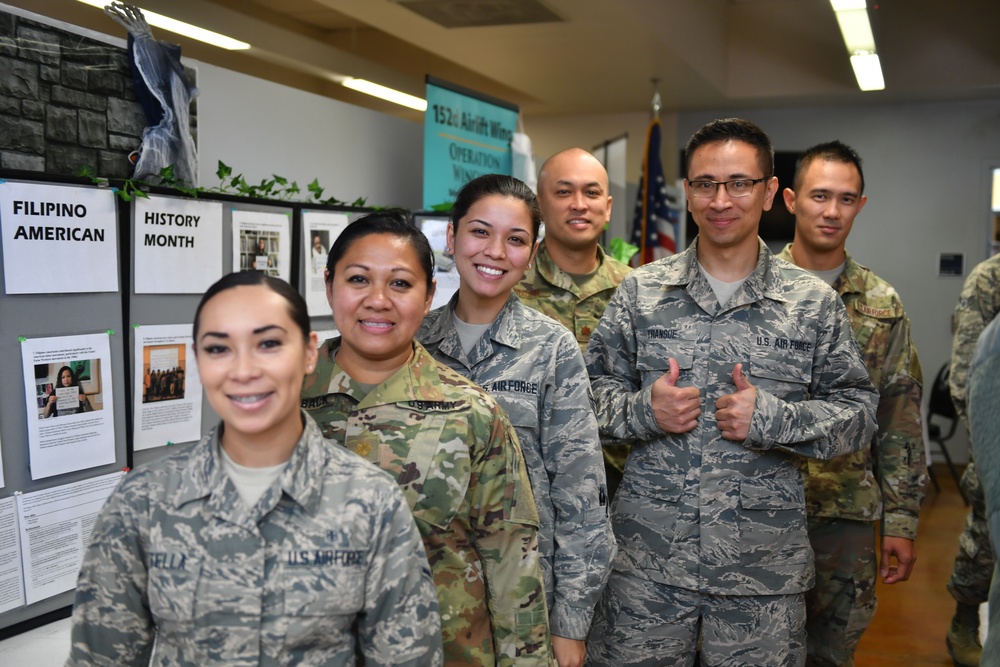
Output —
(984, 422)
(532, 366)
(847, 487)
(455, 455)
(179, 569)
(695, 510)
(735, 631)
(553, 292)
(842, 604)
(978, 305)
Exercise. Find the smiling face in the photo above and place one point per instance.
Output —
(574, 197)
(726, 222)
(493, 244)
(825, 203)
(379, 296)
(252, 361)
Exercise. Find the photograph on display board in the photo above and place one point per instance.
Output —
(68, 388)
(164, 370)
(318, 251)
(259, 251)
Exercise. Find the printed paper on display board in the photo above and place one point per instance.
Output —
(167, 403)
(58, 239)
(68, 438)
(55, 527)
(262, 242)
(327, 226)
(178, 245)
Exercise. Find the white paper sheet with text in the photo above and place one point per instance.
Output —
(55, 530)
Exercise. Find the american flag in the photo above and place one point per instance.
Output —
(657, 223)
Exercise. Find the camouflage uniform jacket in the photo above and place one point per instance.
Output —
(455, 455)
(887, 478)
(179, 563)
(978, 304)
(531, 365)
(550, 290)
(695, 510)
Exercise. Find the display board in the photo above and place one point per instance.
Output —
(103, 293)
(60, 317)
(202, 239)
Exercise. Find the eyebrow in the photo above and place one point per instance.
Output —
(490, 225)
(365, 267)
(590, 184)
(711, 177)
(831, 191)
(257, 331)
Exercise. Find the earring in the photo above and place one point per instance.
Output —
(529, 265)
(448, 250)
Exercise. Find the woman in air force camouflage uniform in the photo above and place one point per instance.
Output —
(263, 544)
(447, 442)
(533, 366)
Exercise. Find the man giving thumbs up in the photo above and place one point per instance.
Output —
(725, 366)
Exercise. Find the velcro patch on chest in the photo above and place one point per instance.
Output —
(880, 313)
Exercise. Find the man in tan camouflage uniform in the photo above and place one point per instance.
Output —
(573, 278)
(844, 495)
(970, 579)
(455, 455)
(726, 366)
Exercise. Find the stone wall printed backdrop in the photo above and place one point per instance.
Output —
(67, 101)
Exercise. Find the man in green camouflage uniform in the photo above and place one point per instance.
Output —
(726, 366)
(180, 572)
(846, 496)
(970, 579)
(573, 278)
(455, 455)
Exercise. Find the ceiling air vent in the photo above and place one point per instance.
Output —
(480, 13)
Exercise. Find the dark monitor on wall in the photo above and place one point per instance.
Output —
(777, 226)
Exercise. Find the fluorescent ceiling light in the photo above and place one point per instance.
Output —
(842, 5)
(389, 94)
(852, 16)
(181, 28)
(856, 29)
(867, 71)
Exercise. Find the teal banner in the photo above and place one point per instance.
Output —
(465, 135)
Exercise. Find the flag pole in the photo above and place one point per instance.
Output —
(655, 107)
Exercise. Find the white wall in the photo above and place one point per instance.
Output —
(928, 180)
(262, 128)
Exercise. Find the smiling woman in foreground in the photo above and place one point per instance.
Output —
(447, 443)
(263, 543)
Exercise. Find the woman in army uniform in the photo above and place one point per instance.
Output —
(446, 441)
(263, 543)
(533, 366)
